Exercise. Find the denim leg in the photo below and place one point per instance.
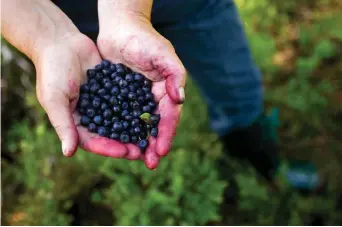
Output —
(213, 47)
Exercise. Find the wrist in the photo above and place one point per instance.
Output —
(124, 10)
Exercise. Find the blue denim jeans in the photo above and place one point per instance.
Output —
(209, 38)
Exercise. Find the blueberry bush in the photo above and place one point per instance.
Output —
(297, 45)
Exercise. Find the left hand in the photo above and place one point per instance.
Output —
(130, 39)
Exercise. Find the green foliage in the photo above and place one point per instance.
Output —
(41, 187)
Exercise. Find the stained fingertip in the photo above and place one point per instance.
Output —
(105, 147)
(151, 157)
(133, 152)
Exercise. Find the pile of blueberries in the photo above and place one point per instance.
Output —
(117, 103)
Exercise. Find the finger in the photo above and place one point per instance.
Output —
(169, 118)
(133, 152)
(158, 89)
(57, 107)
(151, 158)
(96, 144)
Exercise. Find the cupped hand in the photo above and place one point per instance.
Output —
(130, 39)
(61, 69)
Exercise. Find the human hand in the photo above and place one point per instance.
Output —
(129, 38)
(61, 69)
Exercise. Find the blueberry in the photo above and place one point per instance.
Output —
(154, 132)
(143, 144)
(98, 120)
(98, 67)
(120, 70)
(90, 112)
(107, 123)
(137, 130)
(120, 97)
(114, 136)
(102, 131)
(107, 97)
(148, 126)
(92, 81)
(146, 109)
(131, 131)
(115, 119)
(155, 118)
(128, 117)
(129, 77)
(132, 88)
(134, 139)
(149, 96)
(117, 79)
(115, 90)
(108, 114)
(105, 72)
(113, 101)
(124, 113)
(82, 110)
(84, 88)
(124, 137)
(124, 105)
(136, 113)
(135, 122)
(84, 96)
(99, 76)
(116, 109)
(108, 86)
(92, 127)
(117, 127)
(105, 80)
(152, 104)
(147, 82)
(146, 89)
(132, 96)
(91, 73)
(124, 92)
(85, 120)
(105, 64)
(104, 106)
(141, 100)
(94, 88)
(123, 83)
(125, 124)
(140, 92)
(143, 134)
(101, 91)
(135, 105)
(84, 103)
(112, 68)
(138, 77)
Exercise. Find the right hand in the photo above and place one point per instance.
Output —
(61, 69)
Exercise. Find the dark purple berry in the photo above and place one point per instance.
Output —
(92, 127)
(124, 105)
(105, 80)
(117, 79)
(85, 120)
(124, 92)
(85, 88)
(91, 73)
(120, 70)
(96, 103)
(112, 68)
(124, 137)
(154, 132)
(123, 83)
(92, 81)
(102, 131)
(84, 96)
(143, 134)
(148, 126)
(101, 92)
(94, 88)
(108, 114)
(107, 123)
(116, 109)
(129, 78)
(84, 103)
(135, 105)
(138, 77)
(141, 100)
(104, 106)
(143, 144)
(113, 101)
(117, 127)
(120, 97)
(136, 113)
(105, 64)
(154, 119)
(131, 88)
(124, 113)
(115, 119)
(128, 117)
(134, 139)
(146, 109)
(82, 110)
(125, 124)
(99, 76)
(140, 92)
(152, 104)
(98, 67)
(147, 83)
(115, 90)
(90, 112)
(132, 96)
(105, 72)
(135, 122)
(149, 96)
(137, 130)
(98, 120)
(146, 89)
(114, 136)
(108, 86)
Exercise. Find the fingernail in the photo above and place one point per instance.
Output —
(65, 150)
(181, 94)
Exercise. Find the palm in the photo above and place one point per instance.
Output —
(141, 48)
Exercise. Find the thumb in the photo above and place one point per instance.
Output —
(57, 107)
